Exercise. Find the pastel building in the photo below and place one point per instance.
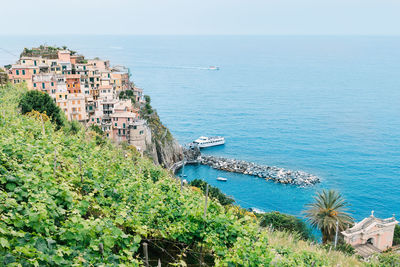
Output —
(85, 90)
(76, 107)
(121, 124)
(371, 235)
(73, 82)
(22, 73)
(64, 56)
(138, 136)
(46, 82)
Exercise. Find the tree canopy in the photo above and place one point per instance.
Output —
(328, 208)
(43, 103)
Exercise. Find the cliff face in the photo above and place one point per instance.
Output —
(161, 147)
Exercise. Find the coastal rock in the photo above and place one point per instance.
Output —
(161, 147)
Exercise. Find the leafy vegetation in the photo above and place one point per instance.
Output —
(43, 103)
(3, 77)
(285, 222)
(213, 192)
(341, 246)
(44, 51)
(128, 94)
(67, 201)
(396, 237)
(160, 133)
(388, 259)
(328, 209)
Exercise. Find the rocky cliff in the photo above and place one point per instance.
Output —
(161, 146)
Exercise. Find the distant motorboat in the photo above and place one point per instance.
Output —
(213, 68)
(203, 141)
(222, 179)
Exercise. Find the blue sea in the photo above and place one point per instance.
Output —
(329, 106)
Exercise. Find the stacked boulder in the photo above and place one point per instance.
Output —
(272, 173)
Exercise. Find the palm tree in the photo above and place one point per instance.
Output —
(329, 207)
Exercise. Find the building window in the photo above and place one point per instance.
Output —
(23, 72)
(98, 120)
(141, 132)
(135, 127)
(92, 119)
(34, 85)
(34, 71)
(65, 96)
(43, 86)
(123, 132)
(52, 83)
(119, 131)
(23, 61)
(34, 62)
(116, 124)
(123, 125)
(17, 72)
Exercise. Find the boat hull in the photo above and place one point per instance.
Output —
(203, 145)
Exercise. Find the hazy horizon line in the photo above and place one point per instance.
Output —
(182, 34)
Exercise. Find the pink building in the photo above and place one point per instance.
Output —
(121, 122)
(371, 235)
(64, 56)
(21, 73)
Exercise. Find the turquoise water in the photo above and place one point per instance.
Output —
(326, 105)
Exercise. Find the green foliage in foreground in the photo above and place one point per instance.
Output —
(213, 192)
(49, 217)
(42, 102)
(285, 222)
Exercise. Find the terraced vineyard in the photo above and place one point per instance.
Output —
(72, 198)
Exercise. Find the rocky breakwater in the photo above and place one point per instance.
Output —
(272, 173)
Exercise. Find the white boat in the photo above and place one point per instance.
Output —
(213, 68)
(222, 179)
(203, 141)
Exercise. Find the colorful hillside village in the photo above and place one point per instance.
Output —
(87, 90)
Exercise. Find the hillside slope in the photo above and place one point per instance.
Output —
(54, 211)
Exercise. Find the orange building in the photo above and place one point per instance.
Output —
(73, 82)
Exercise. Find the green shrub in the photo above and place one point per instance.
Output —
(213, 192)
(42, 102)
(95, 128)
(396, 237)
(341, 246)
(73, 127)
(285, 222)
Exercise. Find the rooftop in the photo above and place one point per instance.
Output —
(368, 223)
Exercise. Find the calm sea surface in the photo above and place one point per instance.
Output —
(326, 105)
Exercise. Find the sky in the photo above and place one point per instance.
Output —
(201, 17)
